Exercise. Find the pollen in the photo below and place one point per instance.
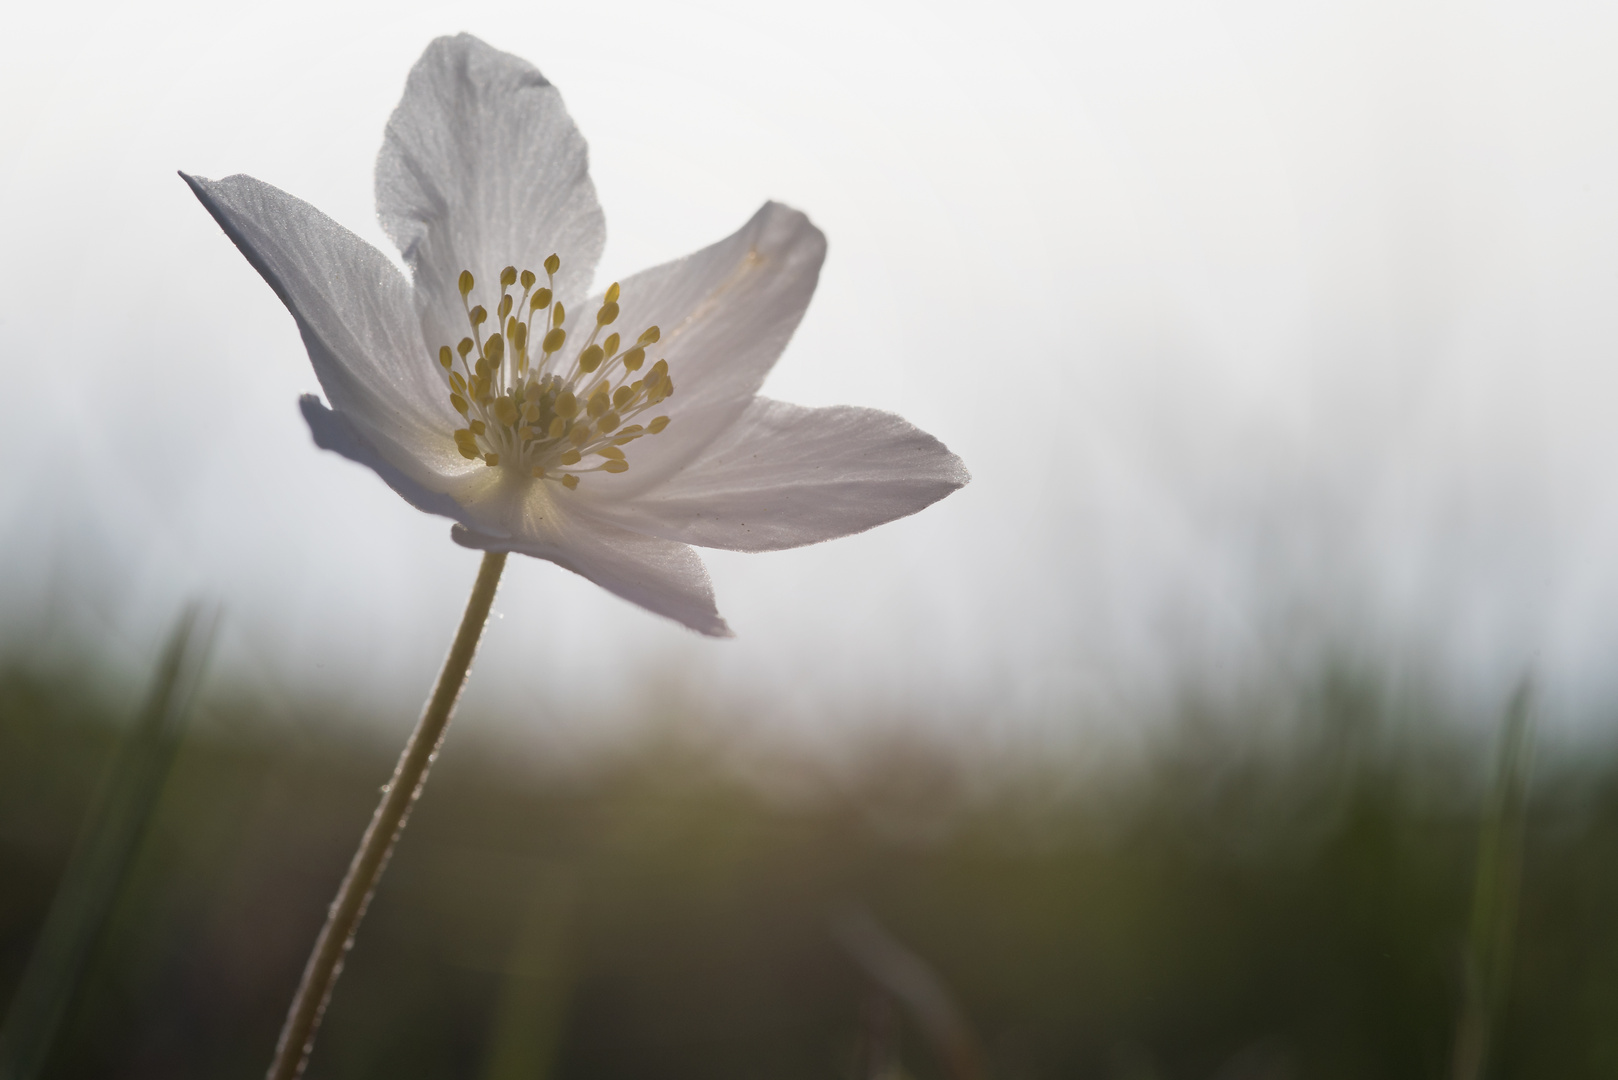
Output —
(565, 404)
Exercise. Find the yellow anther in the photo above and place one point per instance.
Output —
(532, 416)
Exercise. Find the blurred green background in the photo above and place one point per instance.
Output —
(1277, 886)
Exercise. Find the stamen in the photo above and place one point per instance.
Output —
(524, 411)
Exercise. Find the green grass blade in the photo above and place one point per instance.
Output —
(105, 851)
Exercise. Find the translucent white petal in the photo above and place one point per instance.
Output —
(662, 576)
(353, 308)
(482, 168)
(725, 314)
(784, 475)
(333, 431)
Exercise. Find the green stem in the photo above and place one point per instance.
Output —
(343, 918)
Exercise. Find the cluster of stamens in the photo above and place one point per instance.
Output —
(530, 408)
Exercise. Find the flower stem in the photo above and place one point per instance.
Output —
(343, 918)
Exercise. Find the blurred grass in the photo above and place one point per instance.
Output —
(1226, 905)
(102, 856)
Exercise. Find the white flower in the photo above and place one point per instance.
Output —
(606, 435)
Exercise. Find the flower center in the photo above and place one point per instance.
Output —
(530, 408)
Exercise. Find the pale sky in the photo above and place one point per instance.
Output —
(1265, 329)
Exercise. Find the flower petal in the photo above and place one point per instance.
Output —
(335, 432)
(660, 575)
(352, 307)
(784, 475)
(725, 313)
(482, 168)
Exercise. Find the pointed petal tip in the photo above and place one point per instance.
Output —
(782, 223)
(702, 618)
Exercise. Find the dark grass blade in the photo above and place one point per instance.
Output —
(1487, 962)
(104, 853)
(898, 974)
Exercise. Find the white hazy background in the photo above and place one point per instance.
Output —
(1270, 332)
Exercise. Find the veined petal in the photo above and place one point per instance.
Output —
(663, 576)
(353, 309)
(482, 168)
(784, 475)
(725, 313)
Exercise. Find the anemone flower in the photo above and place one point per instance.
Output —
(606, 433)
